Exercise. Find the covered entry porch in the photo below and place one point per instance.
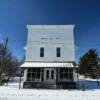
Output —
(55, 74)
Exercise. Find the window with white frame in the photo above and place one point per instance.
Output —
(33, 74)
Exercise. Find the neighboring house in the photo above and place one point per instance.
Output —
(50, 57)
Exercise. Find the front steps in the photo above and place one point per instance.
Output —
(68, 85)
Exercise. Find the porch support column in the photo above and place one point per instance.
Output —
(57, 75)
(42, 74)
(25, 75)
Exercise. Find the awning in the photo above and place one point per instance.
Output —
(33, 64)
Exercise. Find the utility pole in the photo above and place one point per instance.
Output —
(2, 58)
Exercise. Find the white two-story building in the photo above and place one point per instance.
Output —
(50, 57)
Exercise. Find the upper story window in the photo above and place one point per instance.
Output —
(41, 52)
(58, 52)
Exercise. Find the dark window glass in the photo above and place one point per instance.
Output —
(70, 70)
(66, 70)
(58, 52)
(61, 75)
(29, 70)
(61, 69)
(41, 52)
(47, 74)
(38, 75)
(33, 76)
(52, 74)
(33, 70)
(38, 69)
(71, 76)
(28, 77)
(66, 75)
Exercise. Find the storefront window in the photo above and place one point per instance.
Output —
(66, 73)
(33, 74)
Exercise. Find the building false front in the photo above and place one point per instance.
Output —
(50, 57)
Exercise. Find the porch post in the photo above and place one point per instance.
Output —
(42, 74)
(25, 75)
(56, 75)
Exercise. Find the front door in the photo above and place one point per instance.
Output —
(50, 75)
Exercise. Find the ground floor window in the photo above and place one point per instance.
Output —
(33, 74)
(66, 73)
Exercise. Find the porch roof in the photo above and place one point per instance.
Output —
(35, 64)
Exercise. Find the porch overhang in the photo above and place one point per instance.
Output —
(35, 64)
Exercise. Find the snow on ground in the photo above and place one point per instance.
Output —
(11, 92)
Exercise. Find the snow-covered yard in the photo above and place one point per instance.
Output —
(11, 92)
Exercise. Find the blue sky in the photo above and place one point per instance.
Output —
(16, 14)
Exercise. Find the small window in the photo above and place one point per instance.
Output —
(41, 52)
(58, 52)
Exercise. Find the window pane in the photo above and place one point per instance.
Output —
(29, 70)
(71, 76)
(61, 70)
(38, 69)
(52, 74)
(33, 70)
(38, 75)
(33, 75)
(66, 75)
(66, 70)
(70, 70)
(29, 77)
(47, 74)
(58, 52)
(61, 75)
(41, 52)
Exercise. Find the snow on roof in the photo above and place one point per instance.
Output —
(35, 64)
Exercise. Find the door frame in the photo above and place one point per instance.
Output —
(49, 80)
